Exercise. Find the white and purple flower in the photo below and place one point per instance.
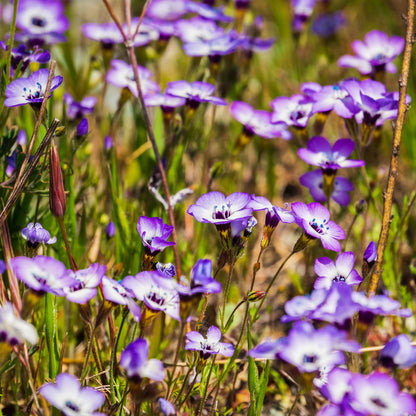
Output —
(292, 111)
(134, 359)
(340, 271)
(154, 234)
(195, 93)
(67, 395)
(215, 208)
(314, 181)
(314, 219)
(376, 53)
(13, 329)
(35, 234)
(209, 345)
(30, 90)
(79, 109)
(87, 282)
(398, 352)
(258, 122)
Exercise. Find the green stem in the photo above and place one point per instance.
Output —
(226, 292)
(11, 40)
(50, 329)
(204, 397)
(114, 356)
(175, 361)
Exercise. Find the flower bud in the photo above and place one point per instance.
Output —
(57, 197)
(255, 295)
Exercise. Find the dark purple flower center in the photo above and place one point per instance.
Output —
(297, 115)
(339, 279)
(72, 406)
(309, 359)
(319, 228)
(378, 402)
(157, 298)
(38, 21)
(41, 279)
(30, 94)
(3, 336)
(222, 214)
(80, 285)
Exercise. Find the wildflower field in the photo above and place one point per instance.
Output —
(207, 207)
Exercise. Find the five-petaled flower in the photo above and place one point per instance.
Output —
(67, 395)
(314, 219)
(30, 90)
(209, 345)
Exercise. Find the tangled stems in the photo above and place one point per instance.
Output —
(394, 160)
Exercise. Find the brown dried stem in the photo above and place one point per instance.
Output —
(394, 161)
(150, 133)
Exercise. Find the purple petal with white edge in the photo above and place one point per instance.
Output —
(267, 349)
(349, 61)
(238, 200)
(331, 243)
(91, 398)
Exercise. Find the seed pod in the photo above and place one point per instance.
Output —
(57, 197)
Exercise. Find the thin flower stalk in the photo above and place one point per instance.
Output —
(394, 161)
(151, 136)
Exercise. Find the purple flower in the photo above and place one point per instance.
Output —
(338, 385)
(327, 24)
(225, 44)
(201, 281)
(319, 152)
(42, 20)
(378, 305)
(115, 293)
(302, 306)
(30, 90)
(293, 111)
(26, 55)
(374, 54)
(257, 122)
(154, 234)
(109, 33)
(166, 102)
(195, 92)
(67, 395)
(197, 29)
(35, 234)
(78, 110)
(310, 349)
(328, 98)
(86, 284)
(167, 269)
(398, 352)
(42, 274)
(302, 10)
(108, 143)
(158, 292)
(314, 181)
(209, 345)
(340, 271)
(13, 329)
(370, 102)
(82, 129)
(379, 394)
(215, 208)
(110, 230)
(207, 12)
(370, 254)
(134, 359)
(166, 9)
(121, 75)
(273, 214)
(314, 219)
(166, 407)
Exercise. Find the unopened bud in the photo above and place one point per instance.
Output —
(57, 197)
(60, 131)
(82, 128)
(255, 295)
